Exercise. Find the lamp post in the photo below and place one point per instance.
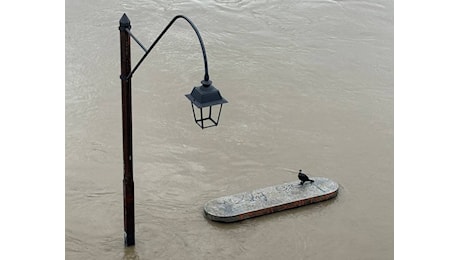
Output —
(203, 98)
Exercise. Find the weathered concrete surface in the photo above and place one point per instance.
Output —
(270, 199)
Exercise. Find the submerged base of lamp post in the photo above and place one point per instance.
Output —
(268, 200)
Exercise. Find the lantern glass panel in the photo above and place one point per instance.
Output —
(207, 116)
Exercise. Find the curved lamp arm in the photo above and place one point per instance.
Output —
(206, 75)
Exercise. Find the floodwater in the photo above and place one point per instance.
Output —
(310, 86)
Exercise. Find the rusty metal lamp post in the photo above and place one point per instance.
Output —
(203, 98)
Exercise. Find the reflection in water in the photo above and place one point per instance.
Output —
(311, 87)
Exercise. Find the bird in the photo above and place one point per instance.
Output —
(303, 178)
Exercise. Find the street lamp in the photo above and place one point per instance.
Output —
(203, 98)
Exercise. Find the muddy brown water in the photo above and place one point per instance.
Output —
(310, 86)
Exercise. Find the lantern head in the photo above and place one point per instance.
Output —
(203, 98)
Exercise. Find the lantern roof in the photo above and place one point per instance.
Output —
(206, 95)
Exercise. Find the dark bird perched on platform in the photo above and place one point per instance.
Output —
(303, 178)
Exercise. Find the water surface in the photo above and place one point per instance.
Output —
(310, 86)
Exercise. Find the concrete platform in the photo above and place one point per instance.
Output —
(267, 200)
